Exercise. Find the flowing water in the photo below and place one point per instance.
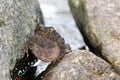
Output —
(57, 14)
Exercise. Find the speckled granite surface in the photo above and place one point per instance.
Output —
(17, 20)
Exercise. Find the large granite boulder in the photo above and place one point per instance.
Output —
(17, 20)
(81, 65)
(98, 20)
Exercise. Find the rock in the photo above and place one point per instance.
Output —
(17, 20)
(81, 65)
(98, 21)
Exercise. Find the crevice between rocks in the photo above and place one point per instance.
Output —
(83, 24)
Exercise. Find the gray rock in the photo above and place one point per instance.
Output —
(82, 65)
(17, 20)
(98, 21)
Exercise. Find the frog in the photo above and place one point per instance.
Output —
(47, 44)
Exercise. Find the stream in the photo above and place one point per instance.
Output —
(57, 14)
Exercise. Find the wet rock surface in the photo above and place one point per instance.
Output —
(99, 24)
(81, 65)
(17, 20)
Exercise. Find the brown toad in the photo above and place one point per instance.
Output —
(46, 44)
